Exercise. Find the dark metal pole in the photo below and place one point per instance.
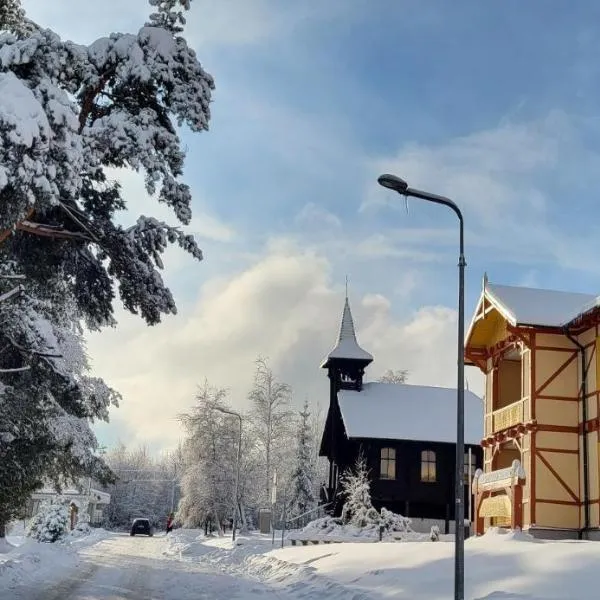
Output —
(399, 185)
(459, 540)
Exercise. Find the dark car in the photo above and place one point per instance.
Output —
(142, 526)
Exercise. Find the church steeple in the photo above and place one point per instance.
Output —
(347, 345)
(347, 360)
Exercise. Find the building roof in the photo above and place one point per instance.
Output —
(533, 306)
(72, 493)
(347, 345)
(400, 411)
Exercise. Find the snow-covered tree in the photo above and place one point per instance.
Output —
(12, 16)
(51, 523)
(303, 477)
(145, 486)
(48, 400)
(398, 376)
(208, 480)
(71, 114)
(272, 419)
(356, 489)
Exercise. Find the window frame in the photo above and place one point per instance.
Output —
(428, 460)
(389, 460)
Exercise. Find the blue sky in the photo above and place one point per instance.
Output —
(493, 104)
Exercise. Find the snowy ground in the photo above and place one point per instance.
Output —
(185, 565)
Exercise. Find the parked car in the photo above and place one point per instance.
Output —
(142, 526)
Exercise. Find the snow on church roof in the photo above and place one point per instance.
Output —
(347, 345)
(400, 411)
(532, 306)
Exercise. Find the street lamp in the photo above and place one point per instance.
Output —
(399, 185)
(237, 469)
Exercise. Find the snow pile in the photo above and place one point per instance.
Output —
(5, 546)
(388, 525)
(50, 524)
(34, 561)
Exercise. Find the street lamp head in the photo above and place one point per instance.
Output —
(393, 183)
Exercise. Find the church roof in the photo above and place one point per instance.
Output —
(399, 411)
(347, 345)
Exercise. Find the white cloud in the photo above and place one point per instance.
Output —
(314, 215)
(285, 307)
(506, 182)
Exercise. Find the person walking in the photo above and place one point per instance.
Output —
(170, 523)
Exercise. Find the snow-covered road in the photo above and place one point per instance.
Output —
(134, 568)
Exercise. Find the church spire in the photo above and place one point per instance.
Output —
(347, 345)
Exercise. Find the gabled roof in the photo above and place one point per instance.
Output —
(347, 345)
(400, 411)
(534, 306)
(526, 306)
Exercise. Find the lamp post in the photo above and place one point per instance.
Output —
(399, 185)
(237, 468)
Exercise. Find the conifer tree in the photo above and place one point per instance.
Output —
(68, 114)
(303, 477)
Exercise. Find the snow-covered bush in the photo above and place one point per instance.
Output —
(393, 522)
(434, 534)
(50, 524)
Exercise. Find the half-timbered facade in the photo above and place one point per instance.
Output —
(405, 432)
(539, 352)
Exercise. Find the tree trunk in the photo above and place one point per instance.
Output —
(243, 522)
(2, 529)
(218, 522)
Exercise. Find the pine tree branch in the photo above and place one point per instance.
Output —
(51, 231)
(16, 369)
(33, 352)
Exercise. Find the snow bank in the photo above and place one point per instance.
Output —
(500, 565)
(33, 562)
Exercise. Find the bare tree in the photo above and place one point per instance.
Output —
(271, 416)
(398, 376)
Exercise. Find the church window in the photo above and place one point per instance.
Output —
(428, 466)
(388, 463)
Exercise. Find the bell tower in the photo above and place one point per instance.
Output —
(345, 366)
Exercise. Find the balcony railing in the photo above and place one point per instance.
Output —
(508, 416)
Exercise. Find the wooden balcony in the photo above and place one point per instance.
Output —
(509, 416)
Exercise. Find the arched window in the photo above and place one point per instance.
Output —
(428, 471)
(387, 468)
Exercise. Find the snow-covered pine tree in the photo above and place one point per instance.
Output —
(356, 488)
(398, 376)
(47, 398)
(68, 114)
(12, 16)
(303, 477)
(51, 523)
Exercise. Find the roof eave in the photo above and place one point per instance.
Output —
(497, 305)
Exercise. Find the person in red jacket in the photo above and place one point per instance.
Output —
(170, 523)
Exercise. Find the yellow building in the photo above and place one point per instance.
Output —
(539, 352)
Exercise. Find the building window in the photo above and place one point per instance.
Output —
(473, 466)
(388, 463)
(428, 472)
